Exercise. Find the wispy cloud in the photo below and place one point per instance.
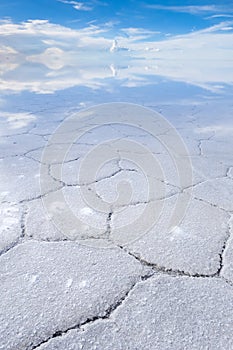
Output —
(138, 34)
(134, 31)
(47, 29)
(192, 9)
(215, 28)
(80, 6)
(220, 16)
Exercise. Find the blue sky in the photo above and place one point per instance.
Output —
(166, 16)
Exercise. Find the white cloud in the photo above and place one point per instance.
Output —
(192, 9)
(44, 28)
(215, 28)
(80, 6)
(226, 28)
(139, 33)
(220, 16)
(109, 24)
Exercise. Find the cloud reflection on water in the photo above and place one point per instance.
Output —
(42, 57)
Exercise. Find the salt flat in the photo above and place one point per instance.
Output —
(119, 278)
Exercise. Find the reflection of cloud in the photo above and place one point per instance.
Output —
(192, 9)
(42, 57)
(17, 120)
(51, 57)
(219, 130)
(8, 58)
